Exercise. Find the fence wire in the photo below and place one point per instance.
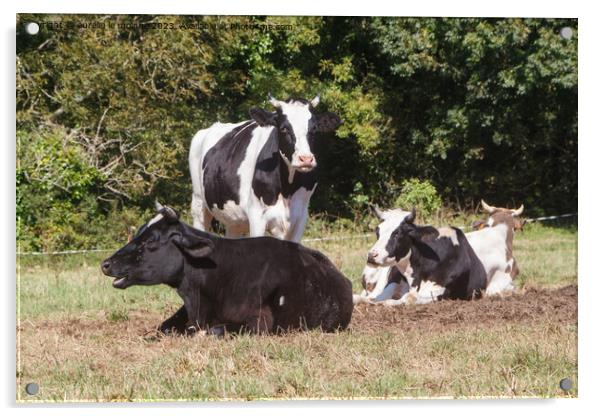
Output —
(305, 240)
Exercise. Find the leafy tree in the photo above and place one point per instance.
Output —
(107, 106)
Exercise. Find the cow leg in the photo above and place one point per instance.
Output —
(393, 291)
(299, 202)
(176, 324)
(201, 216)
(198, 312)
(500, 283)
(221, 329)
(260, 323)
(361, 298)
(295, 233)
(428, 292)
(256, 225)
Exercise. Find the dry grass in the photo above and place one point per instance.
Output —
(82, 340)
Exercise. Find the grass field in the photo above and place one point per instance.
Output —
(82, 340)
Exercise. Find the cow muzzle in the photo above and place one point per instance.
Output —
(304, 162)
(119, 282)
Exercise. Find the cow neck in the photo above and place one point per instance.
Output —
(508, 221)
(422, 257)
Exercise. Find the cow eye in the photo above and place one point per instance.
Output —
(152, 243)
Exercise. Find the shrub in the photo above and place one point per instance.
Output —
(419, 194)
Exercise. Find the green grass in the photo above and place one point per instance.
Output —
(80, 339)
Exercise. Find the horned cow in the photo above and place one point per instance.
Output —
(259, 175)
(438, 263)
(492, 243)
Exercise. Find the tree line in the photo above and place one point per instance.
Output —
(107, 106)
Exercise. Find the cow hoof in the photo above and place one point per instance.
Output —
(217, 331)
(192, 330)
(409, 299)
(390, 302)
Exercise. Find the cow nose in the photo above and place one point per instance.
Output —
(105, 266)
(306, 159)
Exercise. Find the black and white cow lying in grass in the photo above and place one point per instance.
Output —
(437, 263)
(492, 243)
(258, 285)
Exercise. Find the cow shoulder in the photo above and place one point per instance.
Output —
(427, 233)
(221, 163)
(266, 182)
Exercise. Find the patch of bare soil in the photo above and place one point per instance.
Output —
(532, 306)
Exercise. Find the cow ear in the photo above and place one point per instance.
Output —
(377, 211)
(263, 117)
(195, 246)
(170, 214)
(409, 219)
(478, 224)
(327, 122)
(415, 235)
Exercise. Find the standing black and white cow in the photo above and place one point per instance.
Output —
(259, 174)
(438, 263)
(261, 285)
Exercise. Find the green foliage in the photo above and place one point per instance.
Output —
(419, 194)
(481, 108)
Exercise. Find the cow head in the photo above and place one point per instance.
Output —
(399, 245)
(297, 125)
(500, 215)
(156, 253)
(390, 221)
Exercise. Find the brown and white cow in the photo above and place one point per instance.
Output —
(493, 244)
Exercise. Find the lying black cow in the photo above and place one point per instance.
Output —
(259, 285)
(439, 263)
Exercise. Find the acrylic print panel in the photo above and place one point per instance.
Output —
(317, 130)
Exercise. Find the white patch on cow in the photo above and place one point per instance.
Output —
(357, 299)
(390, 221)
(405, 267)
(376, 276)
(395, 302)
(490, 221)
(449, 233)
(281, 301)
(402, 264)
(429, 292)
(231, 213)
(501, 283)
(155, 219)
(298, 213)
(489, 244)
(298, 115)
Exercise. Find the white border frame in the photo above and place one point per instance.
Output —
(590, 283)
